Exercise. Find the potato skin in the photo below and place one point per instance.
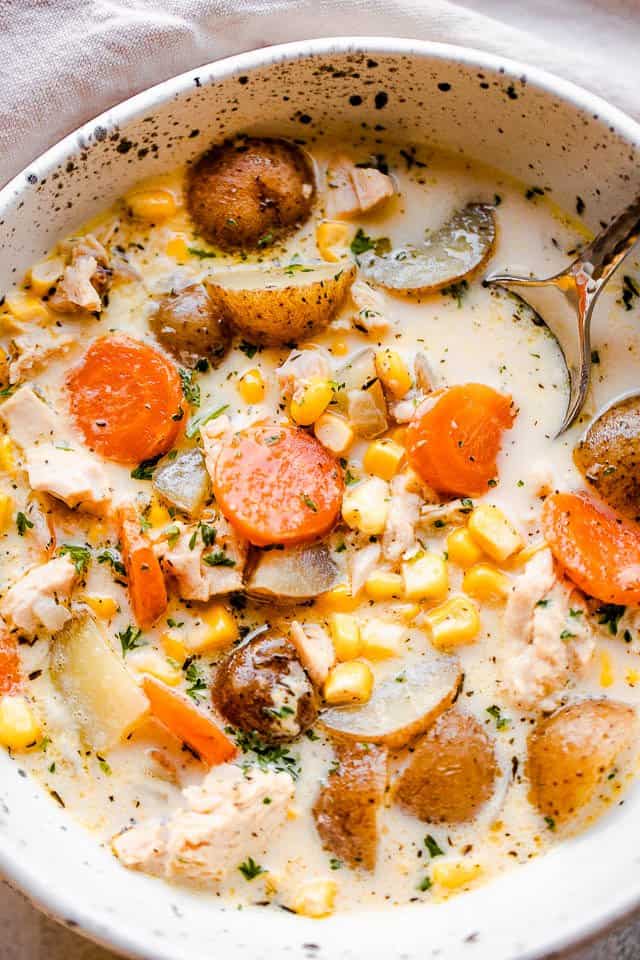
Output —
(192, 325)
(572, 752)
(248, 193)
(451, 772)
(346, 809)
(259, 678)
(609, 456)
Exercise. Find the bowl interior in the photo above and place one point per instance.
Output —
(539, 129)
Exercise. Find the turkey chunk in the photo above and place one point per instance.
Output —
(399, 538)
(230, 817)
(547, 637)
(370, 306)
(213, 435)
(35, 600)
(299, 369)
(185, 560)
(84, 278)
(354, 190)
(28, 419)
(35, 346)
(315, 649)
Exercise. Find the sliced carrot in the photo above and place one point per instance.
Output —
(454, 443)
(127, 399)
(188, 724)
(278, 484)
(598, 550)
(10, 675)
(147, 590)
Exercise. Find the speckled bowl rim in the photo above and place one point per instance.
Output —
(20, 875)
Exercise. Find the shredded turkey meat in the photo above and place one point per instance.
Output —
(185, 559)
(35, 601)
(315, 649)
(355, 190)
(399, 538)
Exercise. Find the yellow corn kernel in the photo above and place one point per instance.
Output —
(154, 664)
(158, 515)
(334, 432)
(454, 623)
(382, 640)
(350, 682)
(25, 307)
(365, 506)
(6, 511)
(345, 633)
(152, 205)
(173, 646)
(7, 455)
(523, 556)
(382, 458)
(425, 577)
(44, 275)
(19, 727)
(331, 239)
(462, 548)
(315, 399)
(316, 899)
(453, 874)
(399, 435)
(339, 348)
(384, 585)
(485, 583)
(219, 630)
(393, 372)
(178, 248)
(407, 611)
(251, 386)
(494, 532)
(103, 606)
(632, 677)
(607, 676)
(340, 600)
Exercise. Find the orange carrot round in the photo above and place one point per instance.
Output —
(453, 443)
(188, 724)
(147, 590)
(598, 550)
(9, 664)
(126, 398)
(277, 484)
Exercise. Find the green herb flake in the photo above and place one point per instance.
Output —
(456, 291)
(249, 349)
(79, 555)
(308, 502)
(250, 869)
(200, 253)
(195, 680)
(114, 558)
(361, 243)
(190, 388)
(130, 639)
(23, 523)
(334, 863)
(193, 427)
(425, 884)
(144, 470)
(609, 614)
(432, 846)
(550, 822)
(265, 755)
(218, 559)
(501, 722)
(104, 766)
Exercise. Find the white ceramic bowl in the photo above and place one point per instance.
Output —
(544, 131)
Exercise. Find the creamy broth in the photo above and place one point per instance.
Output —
(469, 334)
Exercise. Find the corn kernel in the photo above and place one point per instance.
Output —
(462, 548)
(384, 585)
(103, 606)
(151, 205)
(19, 727)
(407, 611)
(454, 623)
(44, 275)
(315, 399)
(382, 458)
(632, 677)
(173, 646)
(453, 874)
(425, 577)
(331, 239)
(485, 583)
(7, 455)
(494, 532)
(382, 640)
(154, 664)
(6, 511)
(339, 348)
(178, 249)
(345, 633)
(251, 386)
(365, 506)
(350, 682)
(217, 632)
(316, 899)
(393, 373)
(340, 599)
(607, 676)
(24, 306)
(335, 433)
(158, 515)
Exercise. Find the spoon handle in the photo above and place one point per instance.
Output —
(612, 244)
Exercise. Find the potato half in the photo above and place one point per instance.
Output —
(573, 756)
(451, 254)
(282, 304)
(609, 456)
(399, 711)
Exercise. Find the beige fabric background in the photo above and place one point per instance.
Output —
(64, 61)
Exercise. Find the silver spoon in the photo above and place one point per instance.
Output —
(565, 302)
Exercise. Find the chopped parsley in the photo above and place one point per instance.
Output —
(609, 614)
(550, 822)
(292, 268)
(193, 427)
(266, 239)
(308, 502)
(79, 555)
(334, 863)
(361, 243)
(466, 505)
(567, 635)
(172, 533)
(129, 639)
(104, 766)
(456, 291)
(250, 869)
(542, 603)
(195, 680)
(144, 470)
(113, 557)
(425, 884)
(266, 755)
(206, 531)
(23, 523)
(432, 846)
(501, 722)
(218, 559)
(249, 349)
(200, 253)
(190, 388)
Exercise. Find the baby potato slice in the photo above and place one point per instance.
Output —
(609, 456)
(454, 252)
(451, 772)
(191, 325)
(183, 482)
(282, 304)
(400, 710)
(573, 753)
(346, 809)
(294, 574)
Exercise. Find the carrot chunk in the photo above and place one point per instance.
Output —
(188, 724)
(10, 675)
(147, 590)
(278, 484)
(454, 443)
(598, 550)
(126, 398)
